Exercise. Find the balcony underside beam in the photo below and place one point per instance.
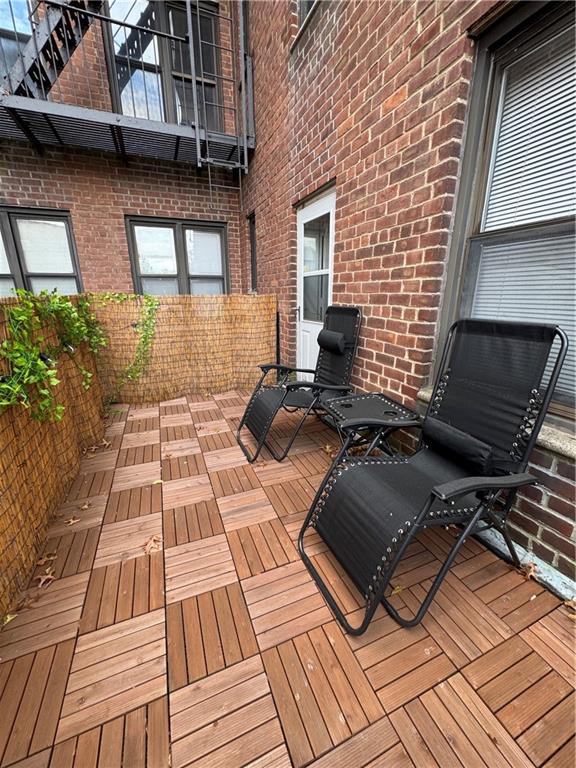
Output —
(50, 123)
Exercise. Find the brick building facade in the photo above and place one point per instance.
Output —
(372, 100)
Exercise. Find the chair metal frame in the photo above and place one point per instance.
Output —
(492, 509)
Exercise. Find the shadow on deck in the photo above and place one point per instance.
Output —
(181, 627)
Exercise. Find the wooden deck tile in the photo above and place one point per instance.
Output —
(225, 458)
(273, 472)
(228, 482)
(52, 617)
(176, 420)
(31, 700)
(173, 434)
(135, 502)
(217, 441)
(148, 412)
(140, 439)
(175, 448)
(139, 738)
(284, 603)
(213, 427)
(371, 747)
(201, 405)
(91, 484)
(88, 513)
(132, 477)
(554, 638)
(142, 425)
(291, 497)
(98, 461)
(114, 670)
(247, 508)
(143, 454)
(192, 522)
(320, 692)
(186, 490)
(74, 551)
(228, 719)
(122, 541)
(123, 590)
(207, 633)
(197, 567)
(205, 417)
(175, 468)
(260, 548)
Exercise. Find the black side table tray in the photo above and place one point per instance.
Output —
(373, 405)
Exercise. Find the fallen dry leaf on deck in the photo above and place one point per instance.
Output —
(7, 618)
(529, 570)
(157, 482)
(72, 520)
(87, 505)
(397, 589)
(45, 579)
(154, 544)
(570, 604)
(168, 456)
(47, 558)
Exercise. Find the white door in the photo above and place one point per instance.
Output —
(315, 223)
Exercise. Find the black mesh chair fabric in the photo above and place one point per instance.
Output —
(262, 409)
(335, 367)
(493, 371)
(372, 503)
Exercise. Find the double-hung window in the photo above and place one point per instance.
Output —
(37, 252)
(174, 257)
(520, 248)
(154, 76)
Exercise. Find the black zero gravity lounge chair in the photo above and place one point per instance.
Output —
(337, 341)
(487, 408)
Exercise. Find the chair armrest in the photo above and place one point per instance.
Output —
(316, 386)
(449, 490)
(265, 367)
(365, 423)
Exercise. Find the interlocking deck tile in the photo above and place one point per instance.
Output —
(228, 719)
(247, 508)
(127, 539)
(52, 617)
(260, 548)
(132, 477)
(213, 427)
(201, 405)
(192, 522)
(217, 441)
(139, 738)
(123, 590)
(225, 458)
(135, 502)
(284, 603)
(197, 567)
(142, 425)
(174, 448)
(186, 490)
(178, 467)
(33, 690)
(207, 633)
(233, 411)
(320, 691)
(228, 482)
(74, 551)
(273, 472)
(554, 638)
(91, 484)
(144, 454)
(88, 512)
(98, 461)
(148, 412)
(138, 439)
(374, 746)
(291, 497)
(114, 670)
(176, 420)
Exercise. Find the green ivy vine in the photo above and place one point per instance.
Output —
(33, 360)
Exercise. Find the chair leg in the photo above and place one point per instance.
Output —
(468, 530)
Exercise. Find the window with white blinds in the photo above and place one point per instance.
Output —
(521, 264)
(533, 165)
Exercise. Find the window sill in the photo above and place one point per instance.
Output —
(302, 28)
(552, 437)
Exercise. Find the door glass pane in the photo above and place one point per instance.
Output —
(6, 286)
(45, 245)
(315, 297)
(160, 286)
(206, 287)
(316, 240)
(63, 285)
(204, 252)
(4, 266)
(156, 250)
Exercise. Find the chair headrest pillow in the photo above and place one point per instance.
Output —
(332, 341)
(459, 446)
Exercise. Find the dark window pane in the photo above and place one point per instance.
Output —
(315, 297)
(160, 286)
(206, 287)
(316, 238)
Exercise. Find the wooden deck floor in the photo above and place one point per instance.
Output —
(181, 627)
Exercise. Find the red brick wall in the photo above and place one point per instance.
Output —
(373, 99)
(99, 191)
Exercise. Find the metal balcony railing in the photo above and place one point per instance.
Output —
(138, 77)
